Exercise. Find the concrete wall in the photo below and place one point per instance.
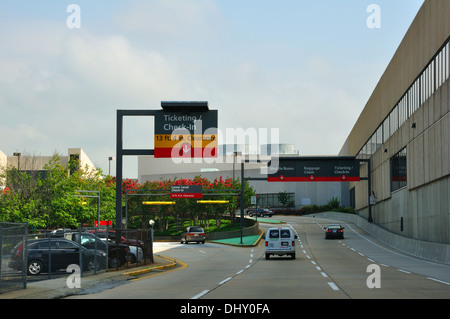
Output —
(423, 249)
(424, 204)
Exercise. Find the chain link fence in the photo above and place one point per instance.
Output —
(11, 278)
(46, 255)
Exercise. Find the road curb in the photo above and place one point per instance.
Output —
(172, 263)
(239, 245)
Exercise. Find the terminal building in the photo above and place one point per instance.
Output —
(35, 163)
(404, 129)
(227, 165)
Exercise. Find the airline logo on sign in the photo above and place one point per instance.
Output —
(315, 170)
(192, 134)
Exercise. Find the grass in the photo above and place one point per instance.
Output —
(174, 229)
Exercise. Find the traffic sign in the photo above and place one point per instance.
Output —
(315, 169)
(186, 191)
(185, 134)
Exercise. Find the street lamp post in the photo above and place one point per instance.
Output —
(111, 158)
(151, 223)
(18, 160)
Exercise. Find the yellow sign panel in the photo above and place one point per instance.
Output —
(159, 203)
(213, 201)
(196, 140)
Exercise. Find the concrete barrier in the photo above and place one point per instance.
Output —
(436, 252)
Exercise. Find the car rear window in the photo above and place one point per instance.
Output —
(274, 233)
(285, 233)
(196, 229)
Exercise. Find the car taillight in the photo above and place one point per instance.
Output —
(293, 243)
(267, 243)
(202, 234)
(19, 250)
(190, 234)
(340, 230)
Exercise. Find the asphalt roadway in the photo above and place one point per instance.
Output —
(357, 267)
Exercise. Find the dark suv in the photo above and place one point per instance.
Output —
(60, 251)
(261, 212)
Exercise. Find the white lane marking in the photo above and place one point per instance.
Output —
(225, 280)
(318, 268)
(406, 272)
(240, 272)
(441, 281)
(204, 292)
(333, 286)
(323, 274)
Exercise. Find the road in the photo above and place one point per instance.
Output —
(356, 267)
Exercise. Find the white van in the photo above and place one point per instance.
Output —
(280, 241)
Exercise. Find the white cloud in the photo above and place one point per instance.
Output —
(165, 20)
(60, 88)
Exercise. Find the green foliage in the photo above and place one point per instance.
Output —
(51, 201)
(333, 202)
(55, 201)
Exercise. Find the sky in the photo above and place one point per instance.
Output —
(306, 68)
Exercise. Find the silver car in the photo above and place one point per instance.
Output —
(193, 234)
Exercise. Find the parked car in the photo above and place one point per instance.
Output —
(334, 231)
(111, 234)
(280, 241)
(117, 253)
(63, 253)
(193, 234)
(261, 212)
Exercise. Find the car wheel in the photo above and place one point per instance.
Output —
(114, 262)
(132, 259)
(35, 267)
(92, 265)
(293, 256)
(267, 256)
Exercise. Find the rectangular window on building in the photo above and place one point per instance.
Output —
(398, 170)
